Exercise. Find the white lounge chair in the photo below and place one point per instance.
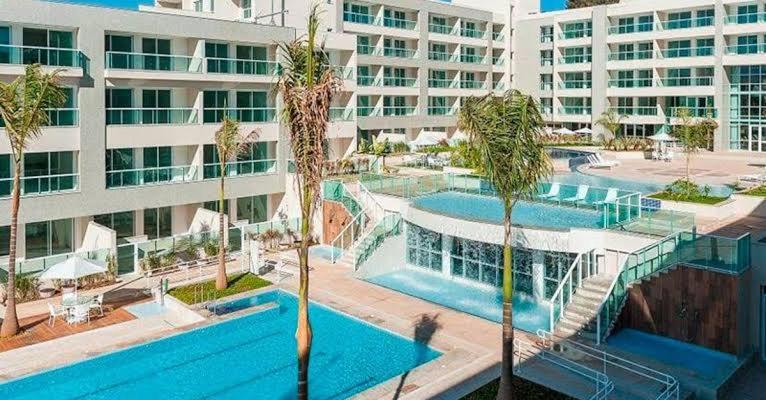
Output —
(79, 313)
(610, 198)
(597, 161)
(668, 156)
(98, 304)
(582, 193)
(55, 313)
(552, 193)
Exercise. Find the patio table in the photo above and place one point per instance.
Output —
(76, 301)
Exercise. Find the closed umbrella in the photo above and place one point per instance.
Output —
(564, 131)
(584, 131)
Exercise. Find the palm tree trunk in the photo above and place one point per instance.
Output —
(505, 392)
(303, 335)
(220, 279)
(10, 325)
(688, 167)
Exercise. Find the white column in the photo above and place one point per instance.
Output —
(538, 274)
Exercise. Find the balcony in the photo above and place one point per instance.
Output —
(576, 33)
(241, 67)
(472, 59)
(546, 62)
(575, 84)
(358, 18)
(631, 55)
(342, 72)
(498, 61)
(367, 80)
(635, 111)
(152, 62)
(499, 86)
(442, 83)
(41, 185)
(546, 38)
(367, 111)
(240, 168)
(442, 29)
(498, 36)
(687, 23)
(575, 110)
(397, 52)
(630, 83)
(393, 81)
(546, 86)
(743, 49)
(151, 176)
(472, 84)
(440, 111)
(473, 33)
(399, 111)
(743, 19)
(696, 112)
(151, 116)
(50, 56)
(59, 117)
(389, 22)
(686, 82)
(441, 56)
(341, 114)
(683, 52)
(364, 49)
(631, 28)
(575, 59)
(246, 115)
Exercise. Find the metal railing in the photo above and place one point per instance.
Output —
(153, 62)
(389, 225)
(686, 81)
(52, 56)
(241, 67)
(151, 176)
(635, 110)
(686, 23)
(249, 114)
(41, 185)
(151, 116)
(631, 28)
(575, 59)
(631, 55)
(568, 286)
(342, 113)
(240, 168)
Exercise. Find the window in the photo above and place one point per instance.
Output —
(213, 206)
(119, 106)
(546, 58)
(5, 240)
(424, 248)
(252, 107)
(58, 165)
(705, 47)
(120, 48)
(48, 38)
(156, 46)
(48, 238)
(6, 173)
(747, 44)
(214, 103)
(705, 17)
(218, 57)
(247, 9)
(156, 161)
(158, 222)
(747, 14)
(679, 20)
(546, 34)
(357, 13)
(120, 160)
(120, 222)
(252, 209)
(155, 106)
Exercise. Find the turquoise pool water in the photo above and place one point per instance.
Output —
(484, 302)
(707, 363)
(325, 252)
(578, 178)
(243, 303)
(490, 209)
(251, 357)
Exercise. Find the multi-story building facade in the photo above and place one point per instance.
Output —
(646, 60)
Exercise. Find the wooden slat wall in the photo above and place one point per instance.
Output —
(336, 217)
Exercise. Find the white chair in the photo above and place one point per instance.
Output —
(582, 193)
(98, 304)
(68, 297)
(55, 313)
(655, 155)
(552, 193)
(79, 313)
(669, 156)
(611, 197)
(597, 161)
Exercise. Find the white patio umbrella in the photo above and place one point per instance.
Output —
(662, 137)
(584, 131)
(73, 268)
(564, 131)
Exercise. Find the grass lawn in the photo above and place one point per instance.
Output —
(699, 199)
(238, 283)
(521, 390)
(760, 191)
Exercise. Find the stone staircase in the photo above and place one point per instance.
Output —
(349, 253)
(579, 319)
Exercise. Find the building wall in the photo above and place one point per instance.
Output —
(335, 219)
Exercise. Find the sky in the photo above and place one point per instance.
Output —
(547, 5)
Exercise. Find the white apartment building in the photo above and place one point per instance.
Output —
(646, 60)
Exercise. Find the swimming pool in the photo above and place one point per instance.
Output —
(565, 154)
(484, 302)
(579, 178)
(251, 357)
(704, 362)
(490, 209)
(325, 251)
(245, 302)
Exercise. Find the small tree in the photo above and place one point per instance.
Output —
(24, 105)
(611, 121)
(382, 149)
(693, 135)
(229, 144)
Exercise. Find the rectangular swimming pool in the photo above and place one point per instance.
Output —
(251, 357)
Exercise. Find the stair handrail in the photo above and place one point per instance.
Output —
(379, 210)
(671, 390)
(604, 386)
(360, 220)
(566, 282)
(369, 233)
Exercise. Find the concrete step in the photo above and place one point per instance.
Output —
(575, 325)
(589, 294)
(585, 302)
(572, 333)
(580, 309)
(579, 318)
(600, 285)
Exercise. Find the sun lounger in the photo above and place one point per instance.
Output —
(597, 161)
(610, 198)
(582, 193)
(552, 193)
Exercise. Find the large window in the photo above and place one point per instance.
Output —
(482, 262)
(5, 240)
(156, 46)
(121, 222)
(214, 103)
(158, 222)
(57, 167)
(252, 209)
(48, 238)
(217, 54)
(424, 248)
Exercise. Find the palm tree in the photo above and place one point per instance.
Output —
(611, 121)
(693, 135)
(229, 144)
(24, 105)
(307, 86)
(507, 132)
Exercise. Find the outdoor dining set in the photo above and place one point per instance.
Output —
(74, 308)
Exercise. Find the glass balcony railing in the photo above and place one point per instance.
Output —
(499, 86)
(59, 117)
(575, 110)
(473, 84)
(151, 176)
(151, 116)
(688, 81)
(367, 111)
(631, 28)
(438, 110)
(546, 62)
(473, 33)
(240, 168)
(364, 80)
(241, 67)
(391, 22)
(152, 62)
(438, 28)
(442, 83)
(368, 19)
(399, 111)
(341, 113)
(473, 59)
(546, 38)
(365, 49)
(258, 114)
(576, 34)
(358, 18)
(41, 185)
(581, 84)
(498, 36)
(631, 55)
(400, 81)
(575, 59)
(742, 19)
(546, 86)
(546, 110)
(498, 61)
(635, 111)
(702, 51)
(51, 56)
(397, 52)
(440, 56)
(742, 49)
(342, 72)
(697, 112)
(687, 23)
(630, 83)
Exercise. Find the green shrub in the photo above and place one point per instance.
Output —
(237, 284)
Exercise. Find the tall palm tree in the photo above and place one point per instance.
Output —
(24, 105)
(229, 144)
(507, 131)
(611, 121)
(307, 86)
